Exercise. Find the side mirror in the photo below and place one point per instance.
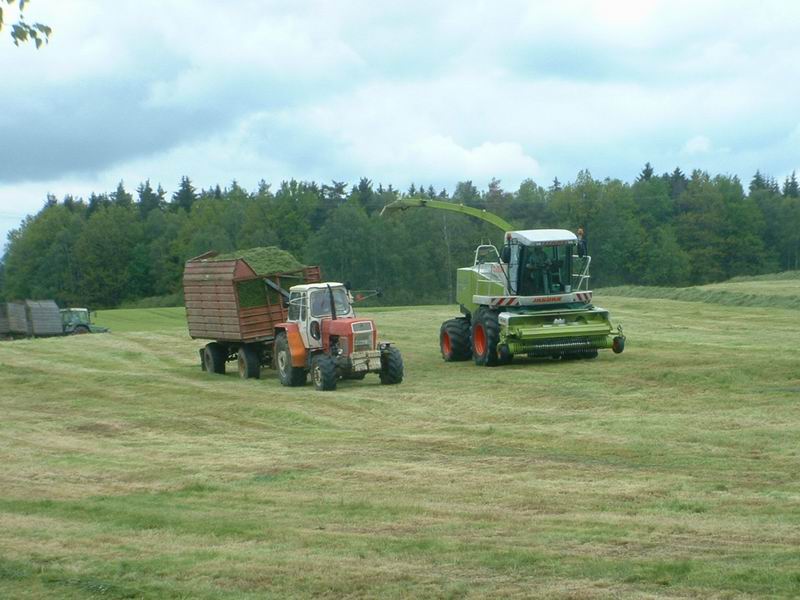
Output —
(379, 293)
(505, 254)
(348, 286)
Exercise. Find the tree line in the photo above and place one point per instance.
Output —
(669, 229)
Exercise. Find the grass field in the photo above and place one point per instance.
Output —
(668, 471)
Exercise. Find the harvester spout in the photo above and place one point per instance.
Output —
(406, 203)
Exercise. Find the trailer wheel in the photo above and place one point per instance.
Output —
(214, 355)
(485, 335)
(289, 375)
(323, 372)
(249, 367)
(454, 340)
(391, 366)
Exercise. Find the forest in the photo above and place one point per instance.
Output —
(128, 249)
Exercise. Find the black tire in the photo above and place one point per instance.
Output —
(504, 356)
(391, 366)
(485, 335)
(323, 372)
(618, 345)
(248, 362)
(214, 356)
(289, 375)
(454, 340)
(80, 330)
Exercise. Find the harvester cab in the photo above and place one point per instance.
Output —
(529, 298)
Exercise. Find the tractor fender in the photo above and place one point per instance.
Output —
(296, 347)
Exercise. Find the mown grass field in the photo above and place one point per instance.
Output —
(669, 471)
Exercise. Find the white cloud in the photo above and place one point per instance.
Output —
(699, 144)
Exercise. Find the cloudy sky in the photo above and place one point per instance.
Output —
(429, 92)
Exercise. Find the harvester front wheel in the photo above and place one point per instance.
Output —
(391, 366)
(323, 372)
(289, 375)
(485, 335)
(249, 367)
(454, 340)
(214, 355)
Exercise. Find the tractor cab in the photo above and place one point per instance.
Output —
(325, 317)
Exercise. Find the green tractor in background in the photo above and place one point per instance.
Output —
(77, 321)
(530, 298)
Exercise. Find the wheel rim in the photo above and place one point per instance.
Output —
(479, 340)
(317, 376)
(446, 344)
(282, 363)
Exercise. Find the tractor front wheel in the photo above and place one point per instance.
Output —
(289, 375)
(323, 372)
(214, 355)
(454, 340)
(249, 367)
(391, 366)
(485, 335)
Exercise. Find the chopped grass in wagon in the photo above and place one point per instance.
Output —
(265, 260)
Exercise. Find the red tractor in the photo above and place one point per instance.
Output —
(323, 336)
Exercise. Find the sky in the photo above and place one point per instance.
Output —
(410, 91)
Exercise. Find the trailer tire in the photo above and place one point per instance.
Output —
(391, 366)
(289, 375)
(485, 335)
(248, 362)
(454, 340)
(214, 356)
(323, 372)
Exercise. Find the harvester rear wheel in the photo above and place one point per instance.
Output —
(289, 375)
(323, 372)
(485, 335)
(391, 366)
(214, 355)
(249, 367)
(454, 340)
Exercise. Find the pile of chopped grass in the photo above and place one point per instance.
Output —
(265, 260)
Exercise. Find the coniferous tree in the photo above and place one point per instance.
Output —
(148, 199)
(790, 186)
(646, 174)
(120, 196)
(185, 197)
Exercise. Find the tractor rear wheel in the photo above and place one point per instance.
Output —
(248, 362)
(214, 355)
(454, 340)
(485, 335)
(323, 372)
(391, 366)
(289, 375)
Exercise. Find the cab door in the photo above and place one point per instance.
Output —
(298, 313)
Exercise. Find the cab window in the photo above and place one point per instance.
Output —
(321, 302)
(296, 306)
